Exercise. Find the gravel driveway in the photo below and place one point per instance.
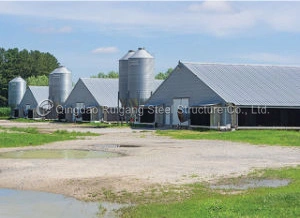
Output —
(148, 160)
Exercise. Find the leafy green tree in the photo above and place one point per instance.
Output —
(99, 75)
(111, 74)
(165, 75)
(3, 100)
(42, 80)
(160, 76)
(23, 63)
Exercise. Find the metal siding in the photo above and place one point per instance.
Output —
(80, 93)
(167, 119)
(105, 91)
(33, 96)
(60, 85)
(182, 84)
(156, 84)
(40, 93)
(123, 77)
(251, 84)
(16, 91)
(140, 77)
(95, 92)
(28, 98)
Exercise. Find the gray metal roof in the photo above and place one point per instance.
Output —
(40, 93)
(251, 84)
(105, 91)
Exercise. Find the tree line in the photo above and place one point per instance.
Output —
(33, 66)
(111, 74)
(115, 75)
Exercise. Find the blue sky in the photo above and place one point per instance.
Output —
(89, 37)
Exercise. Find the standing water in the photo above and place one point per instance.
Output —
(31, 204)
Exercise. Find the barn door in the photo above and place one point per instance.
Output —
(179, 103)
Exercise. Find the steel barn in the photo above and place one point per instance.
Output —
(90, 100)
(228, 96)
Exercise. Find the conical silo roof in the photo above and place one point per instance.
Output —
(127, 55)
(17, 79)
(61, 69)
(141, 53)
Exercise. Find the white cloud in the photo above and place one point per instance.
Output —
(226, 24)
(211, 6)
(217, 18)
(105, 50)
(271, 58)
(51, 30)
(284, 18)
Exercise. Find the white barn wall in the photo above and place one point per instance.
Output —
(28, 99)
(183, 84)
(80, 94)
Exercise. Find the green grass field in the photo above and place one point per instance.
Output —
(257, 137)
(205, 202)
(104, 125)
(19, 137)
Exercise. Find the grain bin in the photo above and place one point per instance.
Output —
(60, 86)
(140, 77)
(16, 91)
(123, 77)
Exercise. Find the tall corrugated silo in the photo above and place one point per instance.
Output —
(140, 77)
(123, 77)
(16, 91)
(60, 86)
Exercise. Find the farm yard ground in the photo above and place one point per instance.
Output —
(149, 161)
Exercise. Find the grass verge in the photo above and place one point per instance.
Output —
(25, 120)
(205, 202)
(19, 137)
(104, 125)
(257, 137)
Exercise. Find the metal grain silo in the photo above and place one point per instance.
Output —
(16, 91)
(60, 86)
(123, 77)
(140, 77)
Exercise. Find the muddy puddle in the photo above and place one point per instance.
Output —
(252, 183)
(57, 154)
(31, 204)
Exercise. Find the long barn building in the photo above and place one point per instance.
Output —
(227, 96)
